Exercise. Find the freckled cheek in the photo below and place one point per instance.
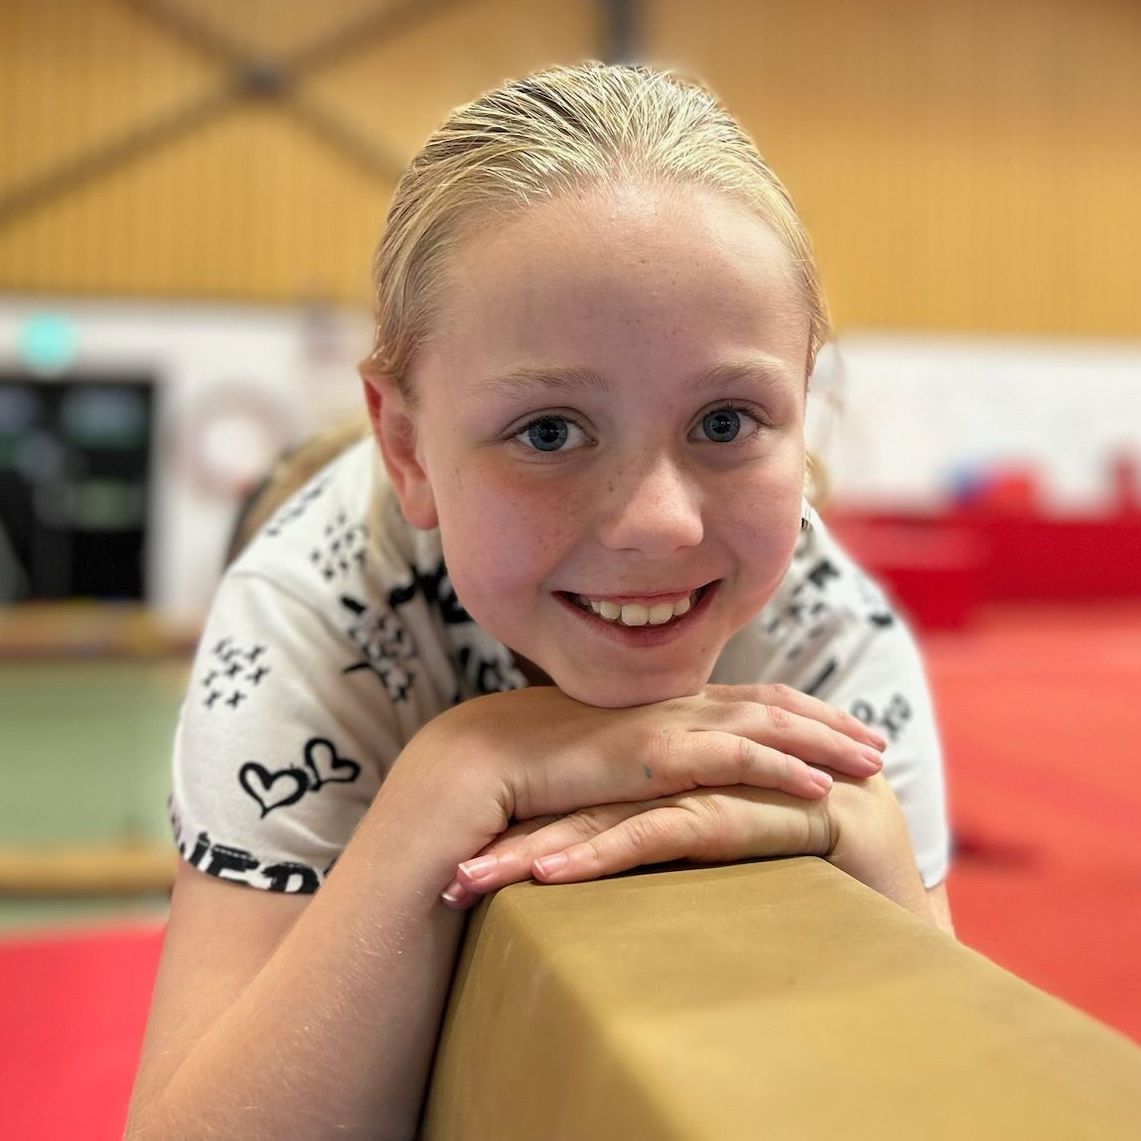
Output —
(761, 524)
(510, 538)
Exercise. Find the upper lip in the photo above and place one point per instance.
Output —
(648, 597)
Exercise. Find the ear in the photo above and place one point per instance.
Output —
(394, 427)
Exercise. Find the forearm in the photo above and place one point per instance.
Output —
(334, 1035)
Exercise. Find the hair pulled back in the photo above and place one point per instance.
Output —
(551, 133)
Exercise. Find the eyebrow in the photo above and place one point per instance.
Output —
(522, 382)
(767, 370)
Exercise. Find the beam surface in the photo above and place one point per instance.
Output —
(778, 999)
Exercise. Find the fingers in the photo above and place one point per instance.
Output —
(743, 823)
(458, 897)
(728, 824)
(794, 728)
(511, 859)
(724, 758)
(792, 700)
(517, 858)
(736, 824)
(459, 894)
(757, 747)
(726, 735)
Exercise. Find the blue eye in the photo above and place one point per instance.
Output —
(722, 425)
(547, 434)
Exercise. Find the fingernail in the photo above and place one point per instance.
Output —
(479, 868)
(822, 779)
(454, 893)
(548, 865)
(877, 739)
(872, 757)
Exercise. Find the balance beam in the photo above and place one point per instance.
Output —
(86, 869)
(778, 999)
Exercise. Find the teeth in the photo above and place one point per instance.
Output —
(635, 614)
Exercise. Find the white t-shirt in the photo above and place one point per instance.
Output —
(337, 635)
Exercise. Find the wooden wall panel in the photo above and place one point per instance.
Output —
(965, 164)
(969, 164)
(250, 203)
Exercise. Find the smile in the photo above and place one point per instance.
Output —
(638, 613)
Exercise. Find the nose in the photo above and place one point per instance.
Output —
(653, 507)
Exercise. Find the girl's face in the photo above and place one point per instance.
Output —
(609, 432)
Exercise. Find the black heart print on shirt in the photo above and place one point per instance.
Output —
(327, 766)
(273, 789)
(278, 788)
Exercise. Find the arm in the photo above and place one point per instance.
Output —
(276, 1018)
(280, 1016)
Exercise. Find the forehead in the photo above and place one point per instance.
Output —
(674, 270)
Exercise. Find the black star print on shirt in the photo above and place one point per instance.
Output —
(233, 674)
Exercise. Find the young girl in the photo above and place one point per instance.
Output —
(571, 616)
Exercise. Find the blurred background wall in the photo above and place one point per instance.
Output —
(190, 191)
(216, 174)
(963, 165)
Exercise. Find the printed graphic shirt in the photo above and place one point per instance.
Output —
(337, 635)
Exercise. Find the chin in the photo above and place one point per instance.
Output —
(606, 692)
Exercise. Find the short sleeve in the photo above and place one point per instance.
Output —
(830, 632)
(281, 745)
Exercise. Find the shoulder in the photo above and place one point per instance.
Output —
(335, 528)
(306, 685)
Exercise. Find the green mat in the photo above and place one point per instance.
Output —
(84, 759)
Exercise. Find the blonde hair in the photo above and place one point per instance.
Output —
(534, 139)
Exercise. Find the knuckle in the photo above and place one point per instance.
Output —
(779, 718)
(644, 832)
(710, 814)
(782, 694)
(671, 831)
(701, 828)
(582, 824)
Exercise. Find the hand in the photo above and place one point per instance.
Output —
(705, 826)
(549, 754)
(552, 755)
(858, 827)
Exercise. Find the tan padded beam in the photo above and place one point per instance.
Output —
(777, 1000)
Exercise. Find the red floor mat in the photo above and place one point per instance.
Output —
(1041, 715)
(72, 1024)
